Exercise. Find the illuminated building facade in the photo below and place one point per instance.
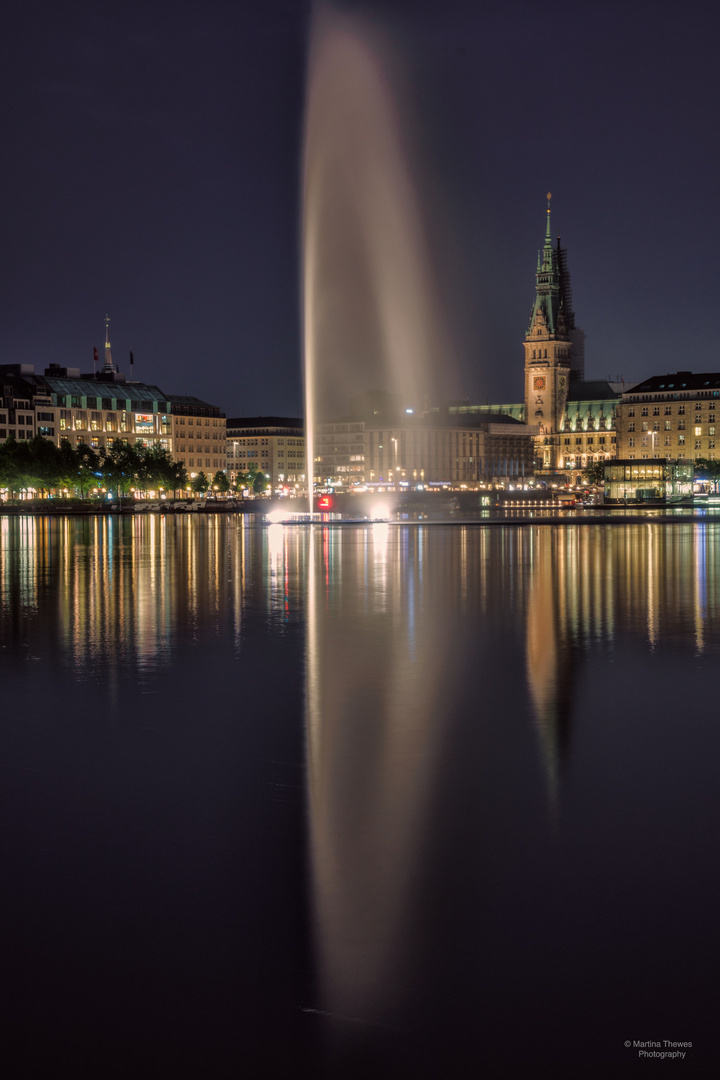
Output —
(274, 445)
(435, 447)
(670, 416)
(97, 409)
(439, 448)
(198, 435)
(657, 480)
(340, 452)
(575, 418)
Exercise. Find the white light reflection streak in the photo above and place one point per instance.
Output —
(651, 597)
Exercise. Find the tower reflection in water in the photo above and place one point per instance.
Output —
(417, 636)
(446, 686)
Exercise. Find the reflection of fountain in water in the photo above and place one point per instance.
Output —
(371, 317)
(375, 741)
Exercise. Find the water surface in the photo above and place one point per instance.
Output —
(390, 800)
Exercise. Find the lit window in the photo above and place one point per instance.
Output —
(698, 431)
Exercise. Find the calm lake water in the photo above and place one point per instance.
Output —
(386, 800)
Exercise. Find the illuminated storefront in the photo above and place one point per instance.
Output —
(656, 480)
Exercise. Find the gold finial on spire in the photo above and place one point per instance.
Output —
(549, 197)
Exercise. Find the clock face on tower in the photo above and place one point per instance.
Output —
(562, 381)
(539, 382)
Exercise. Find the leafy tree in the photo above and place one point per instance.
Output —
(243, 481)
(594, 473)
(155, 468)
(120, 467)
(66, 465)
(706, 469)
(259, 481)
(179, 477)
(200, 483)
(9, 466)
(220, 482)
(88, 472)
(45, 463)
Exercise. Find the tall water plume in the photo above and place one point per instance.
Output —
(371, 315)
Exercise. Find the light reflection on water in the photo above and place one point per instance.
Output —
(472, 698)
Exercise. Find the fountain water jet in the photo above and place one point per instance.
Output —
(371, 315)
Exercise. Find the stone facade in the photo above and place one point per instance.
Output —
(670, 416)
(275, 445)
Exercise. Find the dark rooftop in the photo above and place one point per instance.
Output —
(266, 422)
(681, 380)
(592, 390)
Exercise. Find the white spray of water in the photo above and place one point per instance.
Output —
(371, 317)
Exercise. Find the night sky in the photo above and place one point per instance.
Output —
(151, 163)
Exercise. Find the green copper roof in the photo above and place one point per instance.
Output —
(548, 291)
(589, 415)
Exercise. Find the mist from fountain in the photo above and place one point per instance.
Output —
(370, 307)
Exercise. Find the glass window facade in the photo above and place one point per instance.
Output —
(658, 480)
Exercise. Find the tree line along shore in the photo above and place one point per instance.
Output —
(40, 468)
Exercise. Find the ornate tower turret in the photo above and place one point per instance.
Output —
(548, 349)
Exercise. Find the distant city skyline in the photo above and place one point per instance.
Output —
(152, 173)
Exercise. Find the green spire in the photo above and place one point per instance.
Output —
(547, 283)
(548, 233)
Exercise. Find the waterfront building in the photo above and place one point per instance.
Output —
(198, 435)
(25, 406)
(660, 480)
(669, 416)
(436, 447)
(340, 452)
(441, 448)
(274, 445)
(574, 418)
(97, 408)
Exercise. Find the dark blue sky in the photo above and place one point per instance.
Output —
(151, 161)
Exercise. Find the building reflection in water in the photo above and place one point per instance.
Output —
(106, 590)
(388, 612)
(401, 627)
